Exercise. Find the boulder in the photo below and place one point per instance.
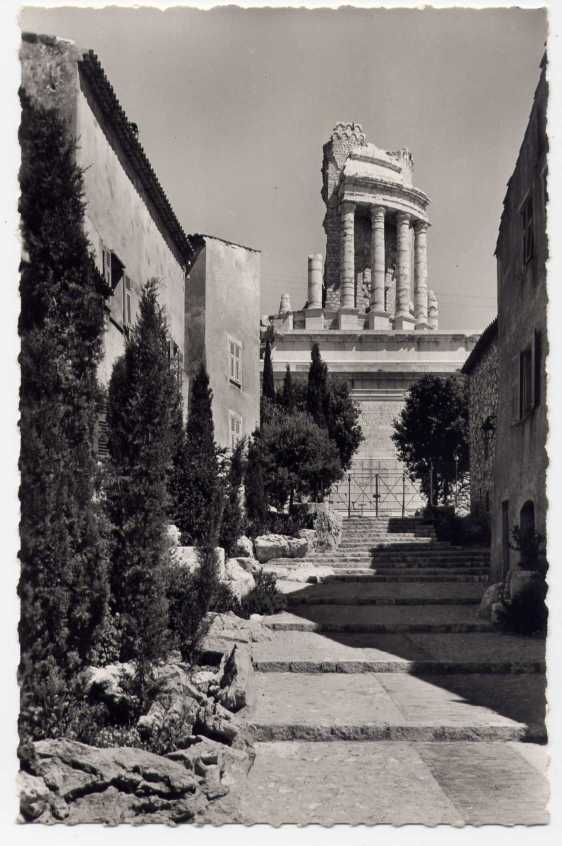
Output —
(297, 547)
(173, 535)
(111, 685)
(492, 595)
(239, 580)
(34, 795)
(188, 558)
(174, 706)
(236, 687)
(249, 564)
(224, 630)
(214, 721)
(271, 546)
(114, 785)
(289, 572)
(243, 548)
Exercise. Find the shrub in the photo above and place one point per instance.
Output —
(256, 500)
(527, 613)
(187, 605)
(265, 598)
(328, 526)
(531, 547)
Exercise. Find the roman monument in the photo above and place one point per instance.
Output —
(370, 306)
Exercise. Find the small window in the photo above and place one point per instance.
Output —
(175, 357)
(525, 382)
(106, 266)
(527, 230)
(235, 361)
(235, 427)
(127, 302)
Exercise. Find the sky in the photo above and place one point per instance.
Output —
(233, 107)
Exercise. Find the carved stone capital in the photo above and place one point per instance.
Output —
(378, 214)
(420, 226)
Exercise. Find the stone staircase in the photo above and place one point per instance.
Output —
(381, 682)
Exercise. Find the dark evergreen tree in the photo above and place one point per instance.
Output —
(268, 383)
(431, 434)
(141, 417)
(199, 511)
(287, 398)
(317, 398)
(343, 422)
(63, 583)
(256, 501)
(232, 525)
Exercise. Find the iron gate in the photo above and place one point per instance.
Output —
(376, 487)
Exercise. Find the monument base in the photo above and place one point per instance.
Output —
(378, 320)
(313, 318)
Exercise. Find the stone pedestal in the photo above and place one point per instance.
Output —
(314, 318)
(378, 320)
(348, 318)
(404, 322)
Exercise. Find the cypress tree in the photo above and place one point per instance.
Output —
(63, 583)
(268, 386)
(256, 500)
(141, 405)
(317, 397)
(233, 517)
(288, 400)
(199, 510)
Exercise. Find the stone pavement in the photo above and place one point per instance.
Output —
(389, 701)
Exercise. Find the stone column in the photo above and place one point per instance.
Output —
(433, 311)
(420, 274)
(313, 313)
(378, 318)
(315, 281)
(403, 318)
(347, 279)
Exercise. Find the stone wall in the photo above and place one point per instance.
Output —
(119, 215)
(483, 405)
(521, 458)
(223, 303)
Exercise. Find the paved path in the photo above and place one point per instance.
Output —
(384, 699)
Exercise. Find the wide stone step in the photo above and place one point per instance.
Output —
(395, 783)
(417, 654)
(382, 593)
(410, 576)
(398, 707)
(377, 619)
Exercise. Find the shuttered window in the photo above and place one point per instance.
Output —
(235, 361)
(526, 400)
(235, 427)
(537, 367)
(527, 230)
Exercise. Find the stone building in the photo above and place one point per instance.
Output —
(133, 231)
(521, 253)
(135, 236)
(222, 330)
(481, 368)
(371, 308)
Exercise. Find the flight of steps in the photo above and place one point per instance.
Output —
(382, 697)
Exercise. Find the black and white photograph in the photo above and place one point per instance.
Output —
(284, 400)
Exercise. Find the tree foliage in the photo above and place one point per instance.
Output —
(317, 397)
(299, 459)
(232, 524)
(431, 431)
(199, 509)
(343, 421)
(254, 487)
(268, 385)
(142, 401)
(63, 583)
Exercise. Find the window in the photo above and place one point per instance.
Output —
(106, 266)
(235, 428)
(505, 535)
(527, 230)
(127, 301)
(525, 382)
(235, 361)
(175, 357)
